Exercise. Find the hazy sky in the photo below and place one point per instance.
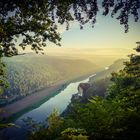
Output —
(106, 33)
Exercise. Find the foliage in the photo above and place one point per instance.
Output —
(2, 76)
(3, 84)
(55, 123)
(126, 83)
(116, 117)
(35, 21)
(73, 134)
(27, 76)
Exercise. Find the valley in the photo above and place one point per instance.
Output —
(32, 77)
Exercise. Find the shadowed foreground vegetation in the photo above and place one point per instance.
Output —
(116, 117)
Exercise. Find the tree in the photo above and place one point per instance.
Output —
(2, 77)
(115, 117)
(1, 74)
(126, 83)
(73, 134)
(35, 21)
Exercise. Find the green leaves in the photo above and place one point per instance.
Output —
(3, 83)
(74, 134)
(33, 19)
(111, 118)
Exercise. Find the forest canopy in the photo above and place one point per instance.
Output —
(35, 21)
(115, 117)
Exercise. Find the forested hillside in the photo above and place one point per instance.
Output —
(101, 81)
(115, 67)
(115, 117)
(29, 73)
(97, 84)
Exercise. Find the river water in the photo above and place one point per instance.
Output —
(60, 102)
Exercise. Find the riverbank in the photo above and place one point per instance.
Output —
(15, 107)
(32, 101)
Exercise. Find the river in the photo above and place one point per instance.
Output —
(60, 102)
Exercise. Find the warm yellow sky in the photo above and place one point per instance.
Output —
(99, 56)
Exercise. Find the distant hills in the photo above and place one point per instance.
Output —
(115, 67)
(101, 81)
(29, 73)
(97, 84)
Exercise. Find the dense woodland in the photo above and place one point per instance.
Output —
(115, 117)
(26, 74)
(35, 22)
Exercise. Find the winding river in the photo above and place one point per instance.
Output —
(60, 102)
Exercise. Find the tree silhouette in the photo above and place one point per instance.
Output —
(35, 21)
(112, 118)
